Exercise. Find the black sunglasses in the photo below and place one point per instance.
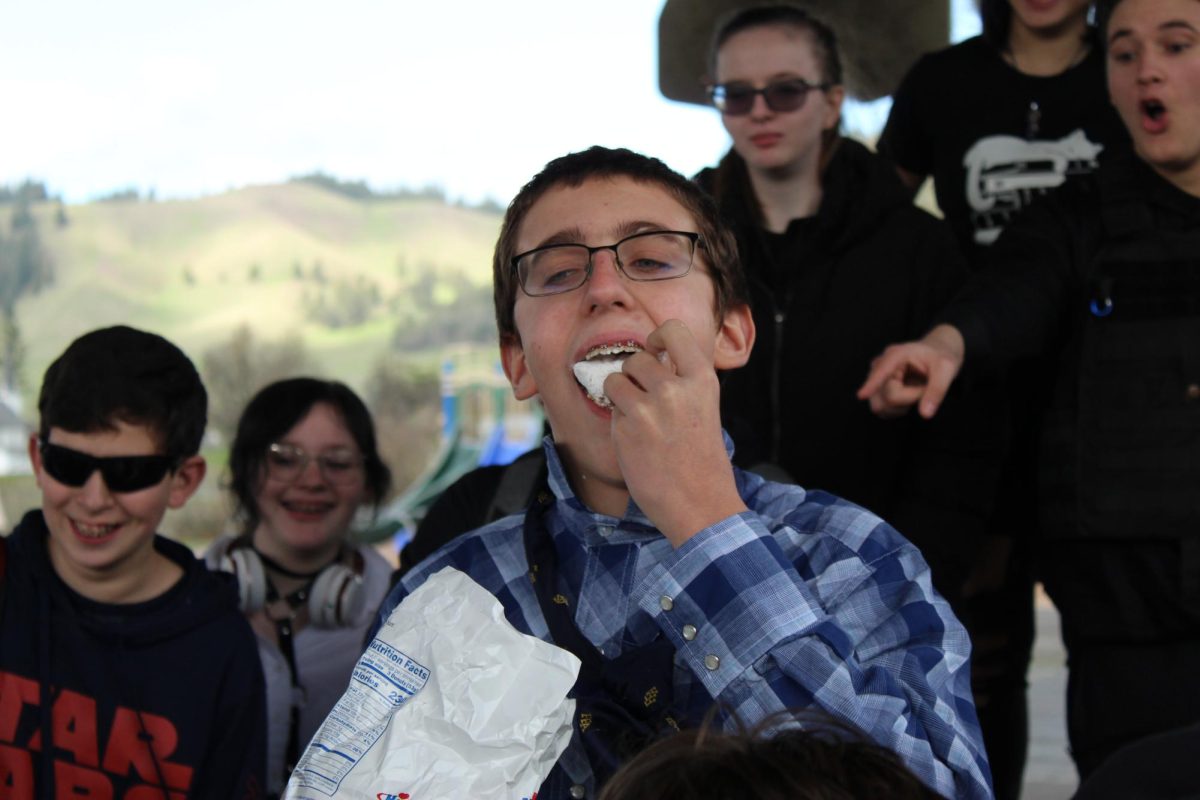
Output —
(121, 473)
(737, 99)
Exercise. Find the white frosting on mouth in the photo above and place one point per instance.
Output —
(600, 362)
(592, 374)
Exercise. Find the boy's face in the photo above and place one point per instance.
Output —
(557, 331)
(98, 536)
(1154, 82)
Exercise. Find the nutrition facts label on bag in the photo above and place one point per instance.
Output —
(383, 680)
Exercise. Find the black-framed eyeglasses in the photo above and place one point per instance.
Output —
(339, 465)
(121, 473)
(737, 99)
(647, 256)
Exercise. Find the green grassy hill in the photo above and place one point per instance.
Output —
(196, 270)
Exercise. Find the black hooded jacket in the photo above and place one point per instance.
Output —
(868, 270)
(102, 680)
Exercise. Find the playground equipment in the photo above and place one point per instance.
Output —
(500, 430)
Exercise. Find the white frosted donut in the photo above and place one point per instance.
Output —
(592, 374)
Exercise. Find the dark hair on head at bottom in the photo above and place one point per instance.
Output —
(787, 756)
(995, 17)
(275, 410)
(121, 374)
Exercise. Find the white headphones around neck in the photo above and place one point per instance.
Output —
(335, 599)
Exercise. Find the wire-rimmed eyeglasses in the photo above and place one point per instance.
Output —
(647, 256)
(339, 465)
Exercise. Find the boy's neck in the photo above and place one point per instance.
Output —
(601, 496)
(141, 577)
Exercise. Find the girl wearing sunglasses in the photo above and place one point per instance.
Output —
(838, 259)
(303, 462)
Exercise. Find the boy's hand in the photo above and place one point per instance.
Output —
(666, 428)
(914, 372)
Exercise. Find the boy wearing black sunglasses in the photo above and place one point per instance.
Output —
(124, 663)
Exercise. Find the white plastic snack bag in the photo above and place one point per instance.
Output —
(448, 702)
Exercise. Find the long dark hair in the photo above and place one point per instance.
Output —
(274, 411)
(1104, 10)
(996, 17)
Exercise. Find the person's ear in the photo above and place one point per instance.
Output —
(516, 368)
(735, 337)
(35, 458)
(834, 97)
(185, 480)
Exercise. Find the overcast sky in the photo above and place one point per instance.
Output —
(195, 98)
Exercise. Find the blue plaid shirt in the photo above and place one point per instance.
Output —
(804, 600)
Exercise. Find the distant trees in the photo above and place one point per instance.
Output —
(25, 268)
(466, 313)
(360, 190)
(234, 370)
(344, 303)
(29, 191)
(404, 403)
(127, 195)
(403, 398)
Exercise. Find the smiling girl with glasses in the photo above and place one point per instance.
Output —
(303, 462)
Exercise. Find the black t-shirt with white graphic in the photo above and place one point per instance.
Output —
(992, 137)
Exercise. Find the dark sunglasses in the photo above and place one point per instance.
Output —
(737, 99)
(121, 473)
